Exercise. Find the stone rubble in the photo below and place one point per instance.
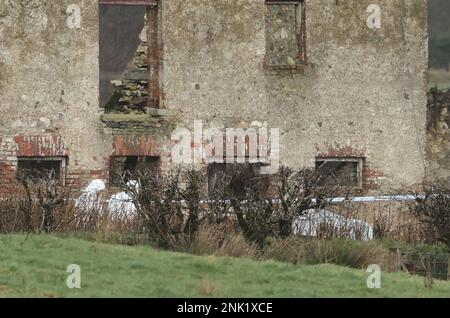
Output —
(131, 92)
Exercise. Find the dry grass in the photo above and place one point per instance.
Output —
(289, 250)
(213, 241)
(208, 288)
(344, 253)
(238, 246)
(208, 236)
(322, 251)
(216, 240)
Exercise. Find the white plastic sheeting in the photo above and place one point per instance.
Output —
(96, 186)
(90, 201)
(121, 204)
(311, 223)
(90, 198)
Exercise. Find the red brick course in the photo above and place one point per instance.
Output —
(370, 175)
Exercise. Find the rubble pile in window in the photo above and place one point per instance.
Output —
(131, 92)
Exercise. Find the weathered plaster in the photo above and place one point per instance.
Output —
(362, 88)
(49, 82)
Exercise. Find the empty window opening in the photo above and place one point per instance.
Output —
(285, 34)
(123, 169)
(125, 56)
(340, 172)
(233, 179)
(38, 169)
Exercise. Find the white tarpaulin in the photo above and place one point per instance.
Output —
(314, 221)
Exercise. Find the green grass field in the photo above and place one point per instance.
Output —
(36, 267)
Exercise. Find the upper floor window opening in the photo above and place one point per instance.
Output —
(285, 35)
(129, 55)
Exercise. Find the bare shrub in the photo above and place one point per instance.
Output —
(262, 214)
(11, 216)
(192, 196)
(37, 203)
(432, 209)
(89, 212)
(256, 218)
(158, 205)
(51, 198)
(246, 216)
(383, 222)
(409, 228)
(219, 203)
(299, 191)
(240, 194)
(350, 220)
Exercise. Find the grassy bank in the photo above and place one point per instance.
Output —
(36, 267)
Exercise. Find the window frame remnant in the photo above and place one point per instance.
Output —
(153, 40)
(134, 160)
(62, 161)
(321, 161)
(301, 58)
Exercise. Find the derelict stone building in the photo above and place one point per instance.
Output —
(90, 87)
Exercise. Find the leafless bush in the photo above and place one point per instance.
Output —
(245, 214)
(37, 203)
(192, 196)
(294, 198)
(357, 215)
(383, 222)
(303, 190)
(89, 213)
(219, 203)
(261, 212)
(409, 228)
(239, 196)
(380, 214)
(18, 213)
(433, 210)
(158, 205)
(12, 218)
(251, 205)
